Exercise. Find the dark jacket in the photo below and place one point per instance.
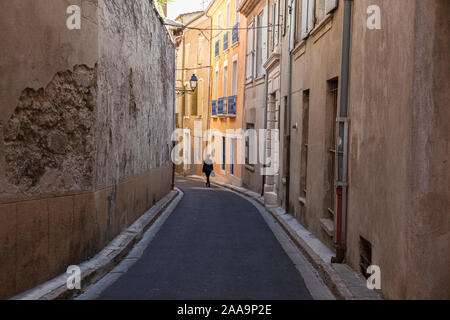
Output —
(207, 168)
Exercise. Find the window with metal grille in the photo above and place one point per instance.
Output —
(250, 144)
(304, 146)
(331, 111)
(224, 153)
(365, 254)
(217, 48)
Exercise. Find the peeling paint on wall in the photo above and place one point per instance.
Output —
(49, 141)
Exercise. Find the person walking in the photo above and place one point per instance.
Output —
(208, 170)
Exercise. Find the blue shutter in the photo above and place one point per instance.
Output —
(217, 48)
(235, 35)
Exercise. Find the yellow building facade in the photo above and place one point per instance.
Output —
(226, 92)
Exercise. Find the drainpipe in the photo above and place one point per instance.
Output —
(211, 75)
(343, 129)
(266, 89)
(174, 119)
(288, 131)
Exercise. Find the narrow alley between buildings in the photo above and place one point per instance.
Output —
(216, 245)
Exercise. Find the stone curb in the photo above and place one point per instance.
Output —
(105, 261)
(330, 277)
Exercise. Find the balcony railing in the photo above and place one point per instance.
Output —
(225, 41)
(222, 107)
(217, 48)
(235, 34)
(214, 108)
(232, 105)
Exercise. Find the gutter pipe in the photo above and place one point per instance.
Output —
(343, 145)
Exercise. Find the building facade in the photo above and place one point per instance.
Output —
(192, 106)
(226, 95)
(84, 131)
(362, 147)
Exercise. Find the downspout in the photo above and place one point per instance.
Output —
(209, 116)
(266, 100)
(174, 118)
(266, 89)
(288, 131)
(343, 129)
(288, 118)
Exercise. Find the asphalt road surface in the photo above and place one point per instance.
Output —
(214, 245)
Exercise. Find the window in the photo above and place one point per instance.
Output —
(325, 7)
(200, 96)
(216, 85)
(250, 144)
(302, 19)
(330, 5)
(224, 153)
(285, 16)
(259, 45)
(274, 9)
(298, 31)
(185, 103)
(332, 106)
(225, 82)
(277, 21)
(307, 17)
(321, 10)
(198, 141)
(234, 78)
(250, 52)
(187, 149)
(292, 28)
(217, 48)
(194, 102)
(232, 154)
(304, 146)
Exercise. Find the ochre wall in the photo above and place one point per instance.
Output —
(398, 197)
(222, 124)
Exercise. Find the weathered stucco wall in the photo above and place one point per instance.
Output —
(135, 83)
(315, 61)
(85, 124)
(399, 198)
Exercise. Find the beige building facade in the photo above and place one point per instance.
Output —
(355, 90)
(192, 107)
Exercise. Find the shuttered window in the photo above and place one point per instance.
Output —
(307, 17)
(321, 10)
(265, 33)
(260, 44)
(330, 5)
(249, 60)
(292, 25)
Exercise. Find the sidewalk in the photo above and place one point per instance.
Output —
(345, 283)
(106, 260)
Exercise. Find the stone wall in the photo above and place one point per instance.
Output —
(85, 124)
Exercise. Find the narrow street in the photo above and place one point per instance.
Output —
(215, 245)
(323, 125)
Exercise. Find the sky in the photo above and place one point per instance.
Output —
(177, 7)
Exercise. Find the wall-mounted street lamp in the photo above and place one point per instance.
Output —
(193, 82)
